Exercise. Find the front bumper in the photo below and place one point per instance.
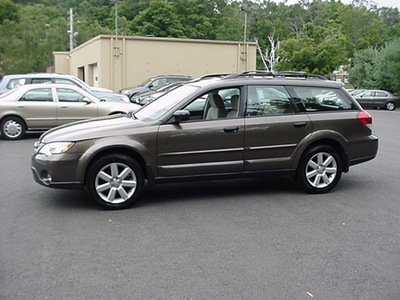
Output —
(60, 171)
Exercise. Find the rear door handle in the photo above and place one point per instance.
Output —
(231, 129)
(300, 124)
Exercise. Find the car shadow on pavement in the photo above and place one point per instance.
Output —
(160, 194)
(216, 189)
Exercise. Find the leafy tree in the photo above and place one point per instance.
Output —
(363, 28)
(364, 65)
(230, 27)
(27, 46)
(199, 18)
(315, 50)
(388, 71)
(159, 20)
(9, 11)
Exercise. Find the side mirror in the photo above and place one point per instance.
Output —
(181, 115)
(86, 100)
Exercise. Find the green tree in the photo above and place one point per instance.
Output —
(363, 28)
(159, 20)
(315, 50)
(27, 46)
(388, 71)
(9, 11)
(364, 65)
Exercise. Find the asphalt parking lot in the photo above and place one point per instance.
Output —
(239, 239)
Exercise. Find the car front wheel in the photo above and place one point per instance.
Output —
(320, 169)
(12, 128)
(115, 181)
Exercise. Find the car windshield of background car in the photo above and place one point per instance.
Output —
(146, 82)
(8, 93)
(163, 104)
(86, 86)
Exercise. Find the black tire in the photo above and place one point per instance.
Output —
(12, 128)
(319, 170)
(115, 181)
(390, 105)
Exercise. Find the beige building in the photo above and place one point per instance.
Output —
(117, 62)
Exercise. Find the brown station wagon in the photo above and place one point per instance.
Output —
(236, 125)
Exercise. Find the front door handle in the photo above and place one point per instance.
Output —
(231, 129)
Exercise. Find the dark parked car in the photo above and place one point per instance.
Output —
(149, 96)
(377, 99)
(275, 123)
(153, 84)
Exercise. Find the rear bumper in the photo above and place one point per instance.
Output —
(368, 148)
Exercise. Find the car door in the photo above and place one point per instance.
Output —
(72, 106)
(201, 146)
(273, 128)
(38, 108)
(366, 99)
(380, 98)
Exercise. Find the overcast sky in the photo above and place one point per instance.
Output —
(380, 3)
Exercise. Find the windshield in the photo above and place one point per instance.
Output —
(84, 84)
(8, 93)
(156, 109)
(146, 82)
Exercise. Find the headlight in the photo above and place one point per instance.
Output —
(55, 148)
(125, 98)
(125, 92)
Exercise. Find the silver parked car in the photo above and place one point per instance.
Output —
(38, 107)
(12, 81)
(377, 98)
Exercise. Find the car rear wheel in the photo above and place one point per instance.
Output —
(390, 106)
(115, 181)
(320, 169)
(12, 128)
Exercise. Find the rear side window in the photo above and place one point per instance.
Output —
(14, 83)
(321, 99)
(40, 80)
(38, 95)
(268, 101)
(381, 94)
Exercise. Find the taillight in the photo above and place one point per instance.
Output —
(365, 118)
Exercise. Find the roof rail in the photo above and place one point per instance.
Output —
(284, 74)
(214, 75)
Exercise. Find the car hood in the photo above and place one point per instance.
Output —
(99, 89)
(93, 128)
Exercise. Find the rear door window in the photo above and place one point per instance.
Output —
(38, 95)
(268, 101)
(40, 80)
(14, 83)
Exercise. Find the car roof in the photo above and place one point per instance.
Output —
(259, 78)
(33, 75)
(48, 85)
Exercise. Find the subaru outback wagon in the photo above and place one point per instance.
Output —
(248, 124)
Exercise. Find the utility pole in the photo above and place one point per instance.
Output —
(72, 34)
(71, 30)
(245, 9)
(116, 50)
